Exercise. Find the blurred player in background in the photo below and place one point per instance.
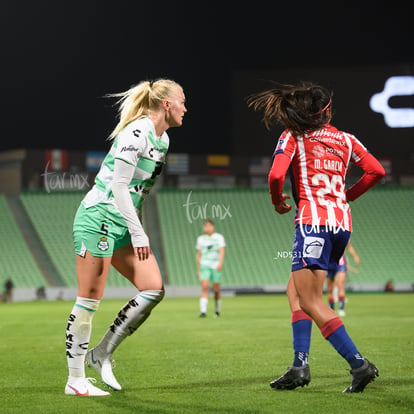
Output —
(209, 260)
(318, 155)
(107, 230)
(8, 290)
(335, 280)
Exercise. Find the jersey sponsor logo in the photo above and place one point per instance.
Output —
(136, 132)
(103, 244)
(334, 151)
(330, 139)
(129, 148)
(318, 151)
(313, 247)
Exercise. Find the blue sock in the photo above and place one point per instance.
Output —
(301, 359)
(342, 342)
(301, 331)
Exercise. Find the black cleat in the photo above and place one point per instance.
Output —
(362, 376)
(202, 315)
(292, 378)
(216, 314)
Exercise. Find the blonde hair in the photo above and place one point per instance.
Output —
(139, 100)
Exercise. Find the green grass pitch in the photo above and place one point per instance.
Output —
(178, 363)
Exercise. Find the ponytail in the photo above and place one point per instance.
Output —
(269, 101)
(138, 101)
(301, 109)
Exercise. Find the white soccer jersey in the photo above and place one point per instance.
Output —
(210, 249)
(138, 145)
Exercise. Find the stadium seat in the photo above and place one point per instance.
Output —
(17, 262)
(259, 240)
(382, 226)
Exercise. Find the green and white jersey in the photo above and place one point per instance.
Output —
(138, 145)
(210, 249)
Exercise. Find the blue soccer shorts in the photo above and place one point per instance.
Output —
(318, 247)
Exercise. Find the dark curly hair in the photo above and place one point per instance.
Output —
(300, 108)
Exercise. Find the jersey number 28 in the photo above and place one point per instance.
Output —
(331, 185)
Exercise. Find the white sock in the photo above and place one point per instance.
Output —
(78, 333)
(132, 315)
(218, 305)
(203, 305)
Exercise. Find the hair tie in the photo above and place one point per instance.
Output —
(324, 108)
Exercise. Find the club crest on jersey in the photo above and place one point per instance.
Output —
(103, 244)
(279, 144)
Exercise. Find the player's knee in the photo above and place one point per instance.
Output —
(90, 293)
(306, 306)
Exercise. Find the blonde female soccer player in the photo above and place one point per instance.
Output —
(107, 230)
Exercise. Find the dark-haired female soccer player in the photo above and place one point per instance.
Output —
(318, 155)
